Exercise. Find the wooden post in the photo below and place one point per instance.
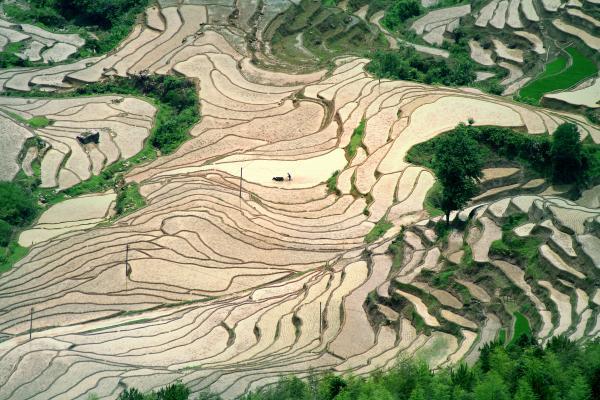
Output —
(126, 264)
(320, 319)
(30, 322)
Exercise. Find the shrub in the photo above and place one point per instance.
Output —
(457, 163)
(17, 207)
(355, 140)
(400, 11)
(567, 160)
(380, 228)
(407, 64)
(5, 233)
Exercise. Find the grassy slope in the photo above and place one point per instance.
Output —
(559, 75)
(520, 328)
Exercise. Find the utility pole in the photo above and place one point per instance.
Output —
(126, 265)
(320, 319)
(30, 322)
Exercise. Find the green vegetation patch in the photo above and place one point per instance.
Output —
(332, 184)
(8, 59)
(10, 254)
(502, 336)
(380, 228)
(17, 209)
(34, 122)
(524, 250)
(406, 63)
(396, 249)
(432, 202)
(129, 199)
(544, 155)
(39, 122)
(355, 140)
(559, 75)
(520, 328)
(399, 12)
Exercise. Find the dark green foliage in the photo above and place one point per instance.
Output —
(9, 60)
(332, 184)
(567, 160)
(534, 151)
(289, 388)
(396, 249)
(17, 206)
(400, 11)
(457, 164)
(131, 394)
(6, 231)
(208, 396)
(408, 64)
(174, 391)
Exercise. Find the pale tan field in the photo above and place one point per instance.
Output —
(265, 278)
(124, 124)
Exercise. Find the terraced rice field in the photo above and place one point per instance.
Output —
(38, 44)
(434, 24)
(562, 73)
(122, 123)
(228, 279)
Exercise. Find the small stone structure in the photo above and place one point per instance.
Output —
(89, 137)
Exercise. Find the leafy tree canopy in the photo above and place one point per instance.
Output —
(408, 64)
(400, 11)
(457, 164)
(567, 159)
(17, 206)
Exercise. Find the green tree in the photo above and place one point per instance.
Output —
(579, 390)
(5, 232)
(567, 160)
(131, 394)
(175, 391)
(400, 11)
(457, 163)
(330, 386)
(524, 391)
(17, 206)
(417, 394)
(491, 387)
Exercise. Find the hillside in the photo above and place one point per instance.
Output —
(207, 212)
